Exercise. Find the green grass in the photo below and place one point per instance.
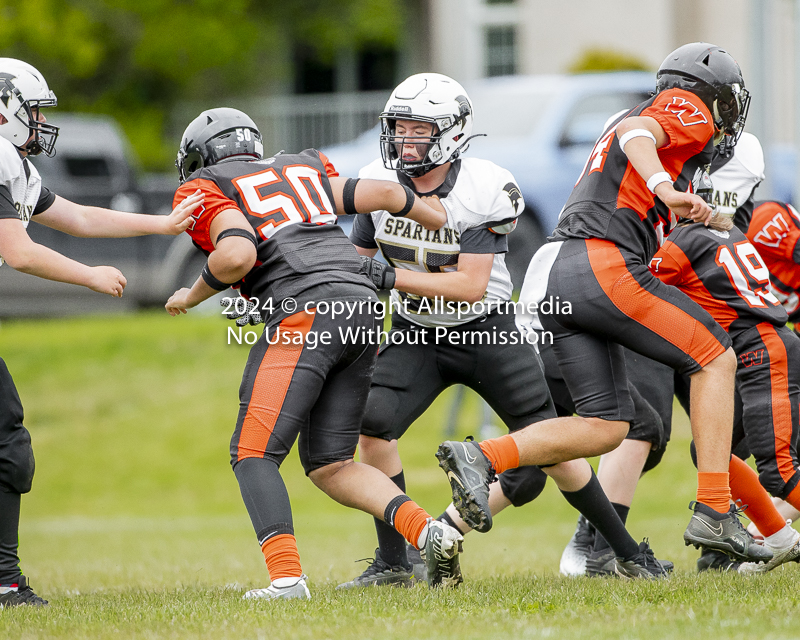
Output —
(135, 527)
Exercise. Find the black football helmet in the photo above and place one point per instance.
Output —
(711, 74)
(218, 135)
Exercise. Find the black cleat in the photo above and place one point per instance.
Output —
(643, 565)
(712, 560)
(726, 535)
(379, 574)
(20, 593)
(601, 563)
(418, 568)
(470, 474)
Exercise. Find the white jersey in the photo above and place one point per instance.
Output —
(482, 202)
(20, 185)
(735, 178)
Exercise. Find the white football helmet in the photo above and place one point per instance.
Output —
(23, 91)
(426, 97)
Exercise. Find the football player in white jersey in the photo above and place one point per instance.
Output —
(24, 132)
(450, 322)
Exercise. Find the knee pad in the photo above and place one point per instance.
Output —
(523, 484)
(654, 458)
(17, 464)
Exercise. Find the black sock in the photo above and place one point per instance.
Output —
(391, 543)
(595, 506)
(448, 520)
(600, 543)
(264, 496)
(9, 537)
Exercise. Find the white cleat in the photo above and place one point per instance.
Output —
(780, 555)
(576, 553)
(440, 554)
(295, 589)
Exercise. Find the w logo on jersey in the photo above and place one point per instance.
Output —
(773, 232)
(687, 113)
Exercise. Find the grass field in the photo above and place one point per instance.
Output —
(135, 528)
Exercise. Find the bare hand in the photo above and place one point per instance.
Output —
(181, 217)
(685, 205)
(107, 280)
(434, 203)
(178, 302)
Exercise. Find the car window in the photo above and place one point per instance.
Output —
(585, 122)
(501, 115)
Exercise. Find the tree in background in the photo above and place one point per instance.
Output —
(600, 60)
(135, 59)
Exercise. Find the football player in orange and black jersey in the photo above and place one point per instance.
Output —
(268, 225)
(774, 229)
(642, 167)
(722, 271)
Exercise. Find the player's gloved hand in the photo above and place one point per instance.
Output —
(382, 275)
(251, 315)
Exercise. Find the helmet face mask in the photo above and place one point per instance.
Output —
(218, 135)
(433, 99)
(713, 75)
(23, 93)
(394, 145)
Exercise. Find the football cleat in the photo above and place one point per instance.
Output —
(470, 473)
(712, 560)
(380, 573)
(576, 553)
(726, 535)
(440, 554)
(294, 591)
(780, 555)
(601, 563)
(418, 568)
(643, 565)
(20, 593)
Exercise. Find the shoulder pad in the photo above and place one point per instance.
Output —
(10, 161)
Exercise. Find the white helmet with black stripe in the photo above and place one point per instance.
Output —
(433, 98)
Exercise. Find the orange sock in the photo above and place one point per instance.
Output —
(794, 498)
(746, 488)
(283, 560)
(502, 452)
(714, 491)
(410, 520)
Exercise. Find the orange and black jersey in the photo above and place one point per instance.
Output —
(611, 200)
(287, 199)
(774, 229)
(722, 272)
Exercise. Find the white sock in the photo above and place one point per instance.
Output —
(423, 536)
(783, 538)
(283, 583)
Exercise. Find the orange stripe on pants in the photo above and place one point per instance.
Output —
(271, 384)
(664, 318)
(781, 405)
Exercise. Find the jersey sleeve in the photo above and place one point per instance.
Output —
(329, 168)
(483, 240)
(507, 207)
(46, 200)
(214, 203)
(7, 208)
(775, 231)
(363, 232)
(684, 118)
(665, 266)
